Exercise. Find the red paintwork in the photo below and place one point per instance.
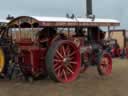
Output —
(116, 52)
(25, 42)
(113, 51)
(33, 58)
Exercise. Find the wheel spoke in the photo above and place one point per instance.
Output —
(59, 54)
(57, 68)
(71, 62)
(71, 58)
(59, 61)
(69, 65)
(103, 61)
(58, 57)
(65, 75)
(109, 69)
(103, 68)
(59, 73)
(72, 53)
(106, 61)
(70, 70)
(64, 51)
(67, 50)
(56, 64)
(105, 64)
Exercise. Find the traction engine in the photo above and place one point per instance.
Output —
(57, 47)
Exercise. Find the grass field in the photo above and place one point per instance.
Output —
(88, 84)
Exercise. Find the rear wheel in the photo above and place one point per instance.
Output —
(105, 66)
(63, 61)
(2, 60)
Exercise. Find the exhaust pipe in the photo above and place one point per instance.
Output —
(88, 8)
(89, 13)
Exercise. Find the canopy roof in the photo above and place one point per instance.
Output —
(62, 21)
(3, 22)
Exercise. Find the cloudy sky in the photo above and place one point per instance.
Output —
(115, 9)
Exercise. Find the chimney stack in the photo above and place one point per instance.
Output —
(89, 8)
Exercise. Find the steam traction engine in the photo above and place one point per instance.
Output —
(60, 47)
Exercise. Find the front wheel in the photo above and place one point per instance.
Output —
(63, 61)
(105, 65)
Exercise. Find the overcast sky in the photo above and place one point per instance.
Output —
(115, 9)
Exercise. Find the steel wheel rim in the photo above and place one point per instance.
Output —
(106, 64)
(2, 60)
(66, 62)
